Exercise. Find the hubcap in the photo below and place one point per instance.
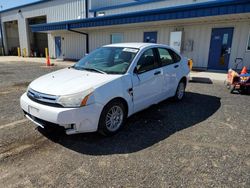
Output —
(181, 90)
(114, 118)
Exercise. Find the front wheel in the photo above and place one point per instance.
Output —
(180, 91)
(112, 118)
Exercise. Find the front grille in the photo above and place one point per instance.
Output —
(42, 98)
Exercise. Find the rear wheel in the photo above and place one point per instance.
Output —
(112, 118)
(180, 91)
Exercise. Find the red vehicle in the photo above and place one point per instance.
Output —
(238, 82)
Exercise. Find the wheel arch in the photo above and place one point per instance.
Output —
(184, 79)
(101, 128)
(124, 102)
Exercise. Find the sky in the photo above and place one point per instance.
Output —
(6, 4)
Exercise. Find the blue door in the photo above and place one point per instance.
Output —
(220, 48)
(58, 46)
(150, 37)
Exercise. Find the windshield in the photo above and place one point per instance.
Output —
(108, 60)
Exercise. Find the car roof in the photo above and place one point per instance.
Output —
(139, 45)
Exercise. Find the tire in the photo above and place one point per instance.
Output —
(180, 91)
(112, 118)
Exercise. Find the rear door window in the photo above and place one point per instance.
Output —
(168, 56)
(165, 57)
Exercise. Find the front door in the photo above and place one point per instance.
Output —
(150, 37)
(58, 46)
(220, 48)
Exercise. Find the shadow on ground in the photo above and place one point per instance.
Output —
(143, 129)
(201, 80)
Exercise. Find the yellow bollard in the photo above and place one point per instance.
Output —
(190, 64)
(46, 53)
(24, 52)
(18, 52)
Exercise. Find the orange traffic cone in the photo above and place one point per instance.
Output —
(244, 70)
(48, 61)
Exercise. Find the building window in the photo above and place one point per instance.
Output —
(248, 42)
(100, 14)
(116, 38)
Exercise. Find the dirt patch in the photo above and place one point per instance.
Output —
(4, 92)
(6, 73)
(21, 84)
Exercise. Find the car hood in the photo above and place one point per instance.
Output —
(69, 81)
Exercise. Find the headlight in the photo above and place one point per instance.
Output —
(76, 100)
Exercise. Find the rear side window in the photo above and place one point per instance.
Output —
(165, 57)
(175, 56)
(168, 57)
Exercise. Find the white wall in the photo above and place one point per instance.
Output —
(240, 40)
(199, 33)
(57, 10)
(73, 45)
(105, 3)
(12, 35)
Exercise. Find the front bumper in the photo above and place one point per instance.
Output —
(74, 120)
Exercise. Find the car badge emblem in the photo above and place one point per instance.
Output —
(37, 96)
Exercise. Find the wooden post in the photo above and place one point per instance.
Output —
(46, 53)
(24, 52)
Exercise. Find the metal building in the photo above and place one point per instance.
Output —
(211, 32)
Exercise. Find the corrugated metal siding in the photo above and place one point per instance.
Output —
(73, 45)
(240, 41)
(199, 33)
(57, 10)
(51, 44)
(150, 6)
(105, 3)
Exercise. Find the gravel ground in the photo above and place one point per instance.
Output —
(202, 141)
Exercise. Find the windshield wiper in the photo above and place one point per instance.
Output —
(93, 69)
(74, 67)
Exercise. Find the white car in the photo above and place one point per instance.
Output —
(105, 87)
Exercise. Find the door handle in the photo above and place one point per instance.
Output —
(228, 50)
(158, 72)
(176, 66)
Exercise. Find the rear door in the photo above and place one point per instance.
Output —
(148, 81)
(170, 63)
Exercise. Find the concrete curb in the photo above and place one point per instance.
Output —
(9, 59)
(207, 77)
